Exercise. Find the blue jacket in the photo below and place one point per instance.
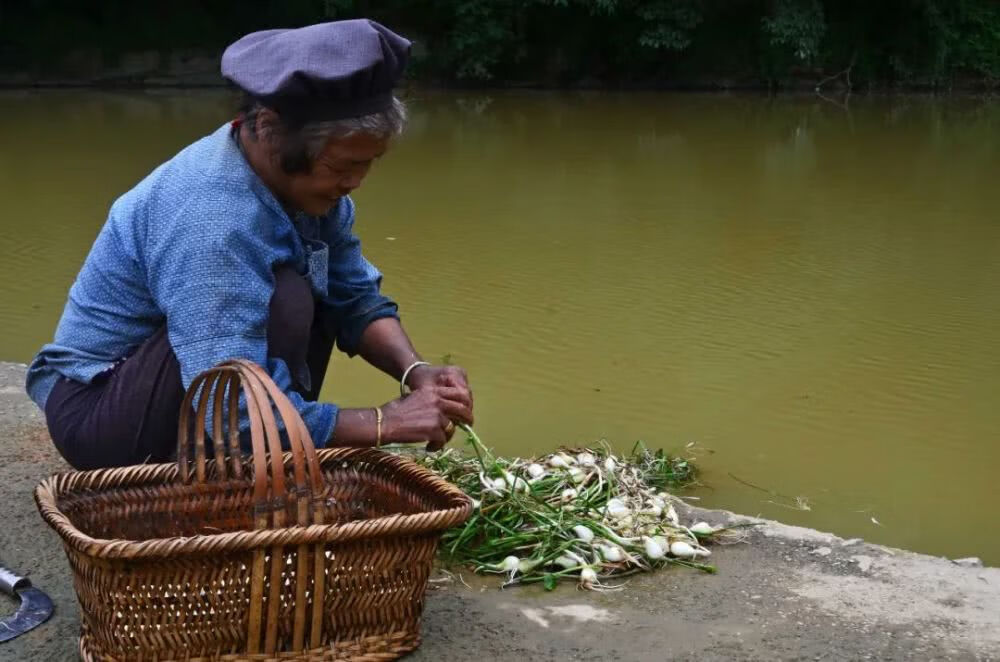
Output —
(194, 245)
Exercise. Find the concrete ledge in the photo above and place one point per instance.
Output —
(791, 593)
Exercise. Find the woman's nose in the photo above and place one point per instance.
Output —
(352, 181)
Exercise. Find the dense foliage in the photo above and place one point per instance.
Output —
(566, 42)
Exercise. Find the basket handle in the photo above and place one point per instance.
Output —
(262, 396)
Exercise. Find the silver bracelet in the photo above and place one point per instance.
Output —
(406, 373)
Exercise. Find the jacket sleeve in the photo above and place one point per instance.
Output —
(354, 298)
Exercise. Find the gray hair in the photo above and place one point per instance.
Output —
(299, 145)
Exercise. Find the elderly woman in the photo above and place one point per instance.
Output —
(241, 246)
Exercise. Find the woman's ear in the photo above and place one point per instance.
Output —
(266, 121)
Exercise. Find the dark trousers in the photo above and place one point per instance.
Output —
(129, 414)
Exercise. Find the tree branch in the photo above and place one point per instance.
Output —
(846, 73)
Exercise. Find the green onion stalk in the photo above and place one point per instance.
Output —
(581, 514)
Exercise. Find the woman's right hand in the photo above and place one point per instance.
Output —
(426, 414)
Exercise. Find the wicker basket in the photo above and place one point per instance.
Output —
(302, 555)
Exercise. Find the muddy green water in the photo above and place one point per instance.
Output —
(808, 292)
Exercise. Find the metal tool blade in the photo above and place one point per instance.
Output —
(35, 608)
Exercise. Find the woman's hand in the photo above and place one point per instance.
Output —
(438, 375)
(430, 411)
(439, 400)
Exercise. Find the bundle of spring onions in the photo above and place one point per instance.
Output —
(580, 514)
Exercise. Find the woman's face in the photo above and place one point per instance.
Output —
(339, 169)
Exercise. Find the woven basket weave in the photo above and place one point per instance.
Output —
(306, 555)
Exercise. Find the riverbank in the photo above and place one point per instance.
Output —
(790, 593)
(211, 80)
(88, 68)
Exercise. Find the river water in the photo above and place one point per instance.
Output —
(807, 291)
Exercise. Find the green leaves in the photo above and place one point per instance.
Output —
(798, 25)
(669, 23)
(560, 42)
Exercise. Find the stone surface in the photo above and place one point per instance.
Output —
(970, 562)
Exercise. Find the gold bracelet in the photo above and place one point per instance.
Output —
(378, 427)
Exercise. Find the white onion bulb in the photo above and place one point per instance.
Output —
(685, 550)
(617, 508)
(536, 470)
(510, 563)
(611, 553)
(558, 461)
(653, 549)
